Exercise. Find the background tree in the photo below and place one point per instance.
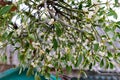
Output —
(61, 33)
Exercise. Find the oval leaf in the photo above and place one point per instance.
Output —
(111, 65)
(55, 43)
(96, 47)
(5, 10)
(102, 63)
(79, 60)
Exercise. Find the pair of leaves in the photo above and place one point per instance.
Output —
(112, 13)
(108, 64)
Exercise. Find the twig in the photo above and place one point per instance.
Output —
(69, 25)
(67, 8)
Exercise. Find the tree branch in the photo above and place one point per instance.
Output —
(67, 25)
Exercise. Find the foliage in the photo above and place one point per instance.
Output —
(61, 33)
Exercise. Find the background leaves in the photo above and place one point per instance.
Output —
(71, 40)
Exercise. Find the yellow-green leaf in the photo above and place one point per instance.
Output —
(37, 77)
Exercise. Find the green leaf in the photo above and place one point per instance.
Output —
(31, 37)
(22, 57)
(84, 74)
(90, 66)
(58, 29)
(37, 77)
(55, 43)
(68, 68)
(111, 65)
(107, 64)
(29, 71)
(116, 3)
(97, 58)
(26, 45)
(4, 58)
(118, 54)
(69, 56)
(112, 13)
(110, 54)
(79, 60)
(107, 29)
(5, 10)
(86, 63)
(96, 47)
(80, 6)
(101, 11)
(101, 20)
(4, 36)
(9, 35)
(89, 3)
(47, 50)
(102, 63)
(73, 2)
(118, 23)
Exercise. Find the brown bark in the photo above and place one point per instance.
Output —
(4, 67)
